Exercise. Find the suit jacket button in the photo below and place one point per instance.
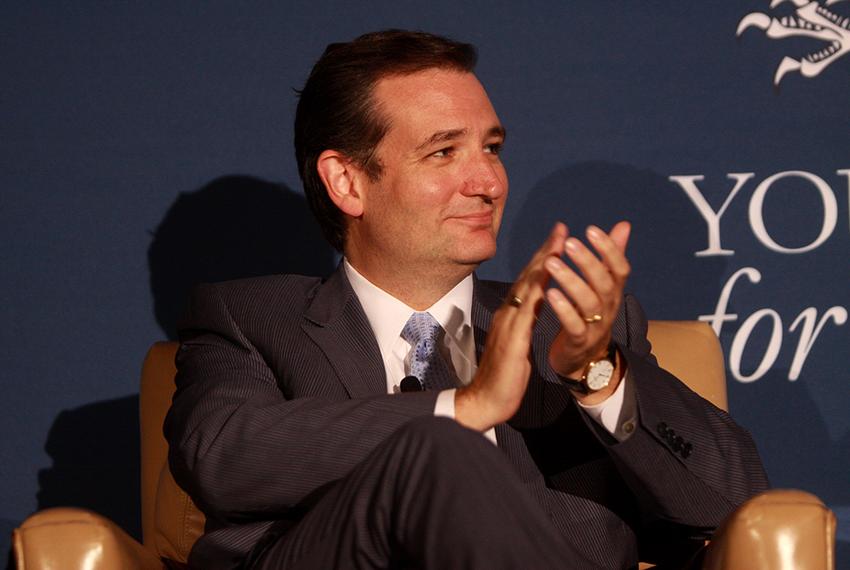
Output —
(629, 427)
(662, 429)
(677, 443)
(686, 450)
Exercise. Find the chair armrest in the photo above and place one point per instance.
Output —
(781, 528)
(72, 538)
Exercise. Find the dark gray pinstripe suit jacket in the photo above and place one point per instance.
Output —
(281, 390)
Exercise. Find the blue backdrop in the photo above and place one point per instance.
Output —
(148, 145)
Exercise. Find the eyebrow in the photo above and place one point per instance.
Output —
(454, 134)
(497, 131)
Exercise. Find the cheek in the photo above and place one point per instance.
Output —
(433, 193)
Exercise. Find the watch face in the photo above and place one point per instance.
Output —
(600, 374)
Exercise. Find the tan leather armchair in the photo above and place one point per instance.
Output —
(778, 529)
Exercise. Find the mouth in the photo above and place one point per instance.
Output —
(826, 25)
(832, 17)
(476, 219)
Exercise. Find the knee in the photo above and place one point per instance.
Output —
(440, 451)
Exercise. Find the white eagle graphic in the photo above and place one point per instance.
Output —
(810, 19)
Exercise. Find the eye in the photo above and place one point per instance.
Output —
(443, 152)
(494, 148)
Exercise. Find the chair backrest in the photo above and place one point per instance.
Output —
(170, 521)
(691, 352)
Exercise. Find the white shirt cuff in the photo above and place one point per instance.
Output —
(445, 405)
(617, 413)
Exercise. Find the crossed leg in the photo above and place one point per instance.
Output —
(434, 495)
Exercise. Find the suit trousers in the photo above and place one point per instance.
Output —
(434, 495)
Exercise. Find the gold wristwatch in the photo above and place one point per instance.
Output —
(597, 374)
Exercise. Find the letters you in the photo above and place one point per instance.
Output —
(808, 325)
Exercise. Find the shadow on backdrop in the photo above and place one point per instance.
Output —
(6, 528)
(797, 450)
(95, 453)
(666, 231)
(796, 446)
(233, 227)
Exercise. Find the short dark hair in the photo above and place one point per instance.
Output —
(336, 110)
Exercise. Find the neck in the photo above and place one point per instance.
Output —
(416, 287)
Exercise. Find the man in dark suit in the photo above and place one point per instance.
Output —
(293, 426)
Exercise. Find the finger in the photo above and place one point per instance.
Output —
(571, 321)
(620, 233)
(574, 287)
(512, 328)
(554, 244)
(534, 272)
(610, 250)
(594, 271)
(528, 290)
(524, 301)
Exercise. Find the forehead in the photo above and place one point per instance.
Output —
(420, 103)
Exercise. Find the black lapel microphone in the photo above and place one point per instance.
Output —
(411, 384)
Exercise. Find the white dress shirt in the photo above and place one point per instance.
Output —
(387, 317)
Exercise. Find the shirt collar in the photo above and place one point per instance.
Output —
(387, 315)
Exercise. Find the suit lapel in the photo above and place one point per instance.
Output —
(485, 302)
(337, 324)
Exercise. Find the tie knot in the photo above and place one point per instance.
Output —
(420, 327)
(424, 360)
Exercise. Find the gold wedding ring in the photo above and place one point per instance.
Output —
(594, 318)
(515, 302)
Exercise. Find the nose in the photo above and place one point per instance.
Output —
(486, 178)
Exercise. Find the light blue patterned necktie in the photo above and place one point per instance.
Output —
(426, 362)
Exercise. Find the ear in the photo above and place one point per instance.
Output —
(340, 178)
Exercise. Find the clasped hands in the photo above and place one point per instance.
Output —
(579, 299)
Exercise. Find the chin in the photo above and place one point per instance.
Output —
(476, 254)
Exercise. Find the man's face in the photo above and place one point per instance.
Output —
(440, 197)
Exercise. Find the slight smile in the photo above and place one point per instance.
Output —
(478, 219)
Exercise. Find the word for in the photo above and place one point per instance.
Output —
(808, 323)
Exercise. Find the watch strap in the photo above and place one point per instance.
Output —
(575, 385)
